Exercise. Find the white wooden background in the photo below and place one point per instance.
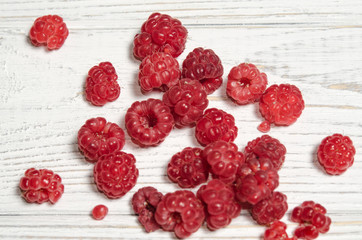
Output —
(316, 45)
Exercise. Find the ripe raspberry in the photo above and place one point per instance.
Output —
(187, 101)
(115, 174)
(188, 168)
(224, 160)
(270, 209)
(149, 122)
(144, 203)
(50, 31)
(256, 180)
(160, 33)
(98, 137)
(101, 85)
(99, 212)
(181, 212)
(39, 186)
(215, 125)
(277, 231)
(220, 204)
(246, 84)
(205, 66)
(267, 147)
(281, 104)
(158, 71)
(336, 154)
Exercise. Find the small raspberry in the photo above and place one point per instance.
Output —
(220, 204)
(267, 147)
(205, 66)
(49, 30)
(98, 137)
(188, 168)
(224, 160)
(336, 154)
(277, 231)
(181, 212)
(39, 186)
(99, 212)
(144, 203)
(215, 125)
(160, 33)
(158, 71)
(101, 85)
(149, 122)
(246, 84)
(115, 174)
(187, 101)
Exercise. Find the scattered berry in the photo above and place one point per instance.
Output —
(264, 127)
(149, 122)
(99, 212)
(336, 154)
(39, 186)
(277, 231)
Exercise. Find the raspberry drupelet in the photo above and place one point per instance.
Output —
(39, 186)
(246, 84)
(101, 85)
(99, 212)
(277, 231)
(336, 154)
(49, 30)
(149, 122)
(205, 66)
(98, 137)
(160, 33)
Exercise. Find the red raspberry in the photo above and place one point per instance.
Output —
(281, 104)
(144, 203)
(181, 212)
(336, 154)
(50, 31)
(246, 84)
(115, 174)
(187, 101)
(158, 71)
(98, 137)
(270, 209)
(220, 204)
(39, 186)
(256, 180)
(215, 125)
(101, 85)
(160, 33)
(188, 168)
(99, 212)
(267, 147)
(149, 122)
(205, 66)
(277, 231)
(224, 160)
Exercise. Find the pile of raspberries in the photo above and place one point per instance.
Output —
(240, 179)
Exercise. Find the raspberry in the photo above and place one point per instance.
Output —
(281, 104)
(99, 212)
(205, 66)
(336, 154)
(101, 85)
(49, 30)
(256, 180)
(224, 160)
(215, 125)
(158, 71)
(39, 186)
(220, 204)
(246, 84)
(270, 209)
(267, 147)
(187, 101)
(144, 203)
(277, 231)
(181, 212)
(149, 122)
(98, 137)
(188, 168)
(115, 174)
(160, 33)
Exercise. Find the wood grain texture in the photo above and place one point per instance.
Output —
(315, 45)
